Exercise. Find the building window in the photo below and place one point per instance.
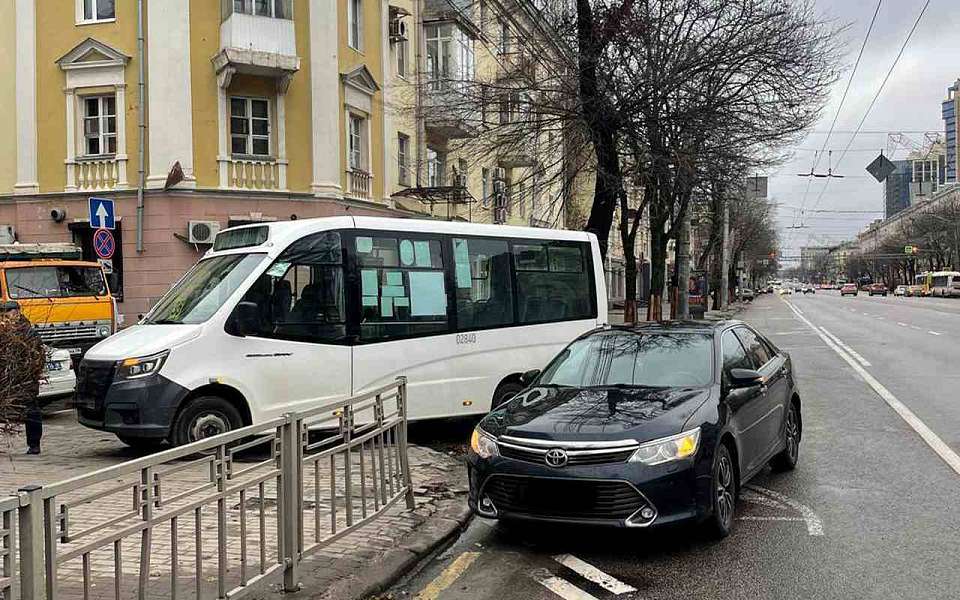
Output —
(356, 143)
(510, 107)
(277, 9)
(402, 57)
(403, 158)
(250, 126)
(99, 125)
(521, 199)
(355, 24)
(436, 167)
(485, 187)
(506, 45)
(451, 59)
(99, 10)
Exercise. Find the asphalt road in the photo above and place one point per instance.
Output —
(873, 511)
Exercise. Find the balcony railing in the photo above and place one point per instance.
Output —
(97, 174)
(359, 184)
(254, 174)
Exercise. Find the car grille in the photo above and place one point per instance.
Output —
(58, 333)
(93, 382)
(578, 453)
(575, 499)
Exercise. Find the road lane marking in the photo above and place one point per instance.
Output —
(560, 587)
(813, 522)
(932, 439)
(852, 352)
(934, 333)
(449, 575)
(591, 573)
(902, 324)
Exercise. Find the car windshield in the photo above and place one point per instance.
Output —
(59, 281)
(204, 289)
(621, 358)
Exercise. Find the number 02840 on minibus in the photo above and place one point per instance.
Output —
(277, 317)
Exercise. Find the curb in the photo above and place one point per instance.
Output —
(434, 533)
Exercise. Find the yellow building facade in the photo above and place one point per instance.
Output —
(251, 110)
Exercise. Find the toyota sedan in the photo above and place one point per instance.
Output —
(640, 427)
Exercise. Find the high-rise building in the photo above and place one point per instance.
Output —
(951, 108)
(896, 188)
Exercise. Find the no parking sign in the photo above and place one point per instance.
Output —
(103, 243)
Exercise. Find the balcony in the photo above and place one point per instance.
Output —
(448, 113)
(255, 174)
(359, 184)
(258, 39)
(96, 174)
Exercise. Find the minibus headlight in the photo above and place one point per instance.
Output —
(144, 366)
(103, 331)
(668, 449)
(483, 445)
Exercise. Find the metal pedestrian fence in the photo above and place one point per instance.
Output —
(218, 518)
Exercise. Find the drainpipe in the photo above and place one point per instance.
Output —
(141, 126)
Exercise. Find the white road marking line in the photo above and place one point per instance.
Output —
(591, 573)
(850, 350)
(932, 439)
(934, 333)
(758, 518)
(914, 327)
(902, 324)
(560, 587)
(814, 524)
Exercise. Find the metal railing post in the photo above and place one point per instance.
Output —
(291, 497)
(404, 458)
(31, 544)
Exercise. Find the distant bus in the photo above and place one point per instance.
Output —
(922, 284)
(945, 284)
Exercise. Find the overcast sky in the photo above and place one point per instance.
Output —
(909, 103)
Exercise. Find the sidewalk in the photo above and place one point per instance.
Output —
(357, 565)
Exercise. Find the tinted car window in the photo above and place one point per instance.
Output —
(756, 350)
(734, 356)
(634, 359)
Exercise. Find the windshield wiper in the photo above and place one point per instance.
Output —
(34, 292)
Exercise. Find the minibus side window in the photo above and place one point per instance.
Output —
(484, 289)
(301, 296)
(553, 282)
(402, 287)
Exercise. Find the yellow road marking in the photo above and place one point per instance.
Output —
(449, 575)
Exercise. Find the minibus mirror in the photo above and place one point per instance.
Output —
(246, 318)
(529, 377)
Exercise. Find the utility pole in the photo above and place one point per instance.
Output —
(725, 257)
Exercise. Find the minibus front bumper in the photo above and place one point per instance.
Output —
(135, 408)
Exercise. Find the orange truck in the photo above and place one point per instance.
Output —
(67, 299)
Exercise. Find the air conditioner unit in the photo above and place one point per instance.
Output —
(398, 30)
(499, 174)
(499, 187)
(202, 232)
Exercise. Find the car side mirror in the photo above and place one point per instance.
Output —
(245, 319)
(743, 378)
(529, 377)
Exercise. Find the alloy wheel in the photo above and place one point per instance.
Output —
(725, 489)
(793, 435)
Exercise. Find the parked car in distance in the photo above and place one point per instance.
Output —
(786, 291)
(746, 294)
(900, 290)
(639, 427)
(849, 289)
(809, 289)
(59, 379)
(877, 289)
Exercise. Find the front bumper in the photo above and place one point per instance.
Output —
(619, 494)
(57, 384)
(133, 408)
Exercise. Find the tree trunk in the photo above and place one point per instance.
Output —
(630, 274)
(658, 255)
(683, 267)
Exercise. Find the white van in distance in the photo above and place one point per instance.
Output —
(279, 316)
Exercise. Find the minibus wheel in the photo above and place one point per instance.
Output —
(204, 417)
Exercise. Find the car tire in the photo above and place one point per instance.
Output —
(141, 444)
(723, 494)
(505, 391)
(204, 417)
(788, 458)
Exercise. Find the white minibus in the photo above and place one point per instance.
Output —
(945, 284)
(278, 316)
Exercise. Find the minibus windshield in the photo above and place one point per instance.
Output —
(204, 289)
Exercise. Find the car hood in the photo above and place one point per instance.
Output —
(569, 414)
(142, 340)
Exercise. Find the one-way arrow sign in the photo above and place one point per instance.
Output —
(101, 213)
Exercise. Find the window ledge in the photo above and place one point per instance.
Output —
(96, 157)
(254, 157)
(95, 21)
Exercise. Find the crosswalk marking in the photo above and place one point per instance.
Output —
(449, 575)
(561, 587)
(591, 573)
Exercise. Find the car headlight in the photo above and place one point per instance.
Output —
(676, 447)
(483, 445)
(144, 366)
(103, 331)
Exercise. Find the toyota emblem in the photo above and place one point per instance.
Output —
(556, 457)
